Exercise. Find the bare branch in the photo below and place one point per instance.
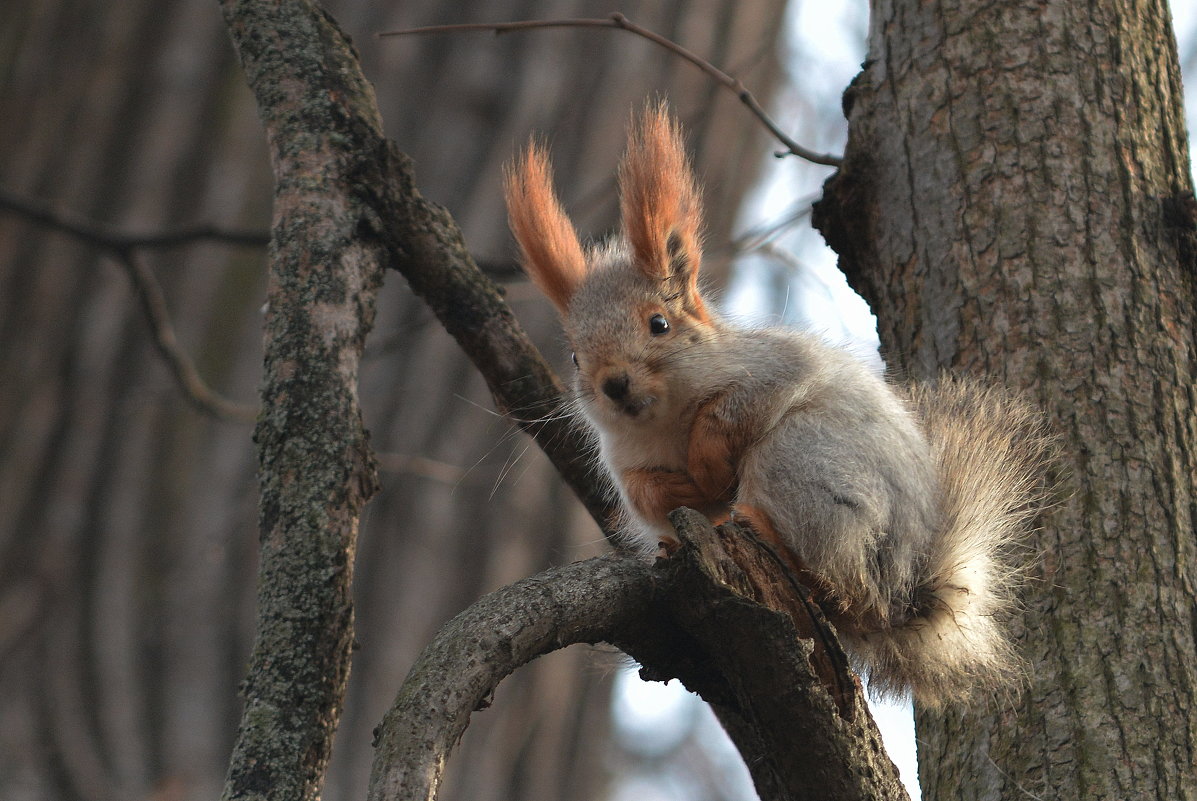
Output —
(722, 615)
(432, 469)
(431, 254)
(187, 377)
(580, 603)
(123, 248)
(620, 22)
(109, 238)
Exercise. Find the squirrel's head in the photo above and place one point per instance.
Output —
(631, 307)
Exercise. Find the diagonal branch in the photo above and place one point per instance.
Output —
(620, 22)
(431, 254)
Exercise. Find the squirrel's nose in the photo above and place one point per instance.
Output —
(616, 387)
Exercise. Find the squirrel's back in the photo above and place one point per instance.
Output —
(844, 476)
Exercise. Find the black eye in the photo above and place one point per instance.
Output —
(657, 324)
(574, 356)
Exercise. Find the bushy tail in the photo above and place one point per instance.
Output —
(992, 453)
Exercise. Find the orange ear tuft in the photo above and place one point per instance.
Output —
(552, 254)
(660, 204)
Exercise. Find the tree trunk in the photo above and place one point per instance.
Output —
(1016, 202)
(127, 521)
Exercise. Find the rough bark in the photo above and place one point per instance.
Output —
(719, 614)
(316, 470)
(1016, 201)
(458, 672)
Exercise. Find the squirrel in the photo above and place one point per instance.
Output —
(902, 507)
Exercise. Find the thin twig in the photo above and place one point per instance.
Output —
(620, 22)
(123, 248)
(153, 305)
(762, 235)
(104, 236)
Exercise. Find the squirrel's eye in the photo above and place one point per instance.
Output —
(657, 324)
(574, 356)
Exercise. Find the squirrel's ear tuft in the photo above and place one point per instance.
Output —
(552, 254)
(660, 204)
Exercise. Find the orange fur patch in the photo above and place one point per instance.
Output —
(552, 253)
(655, 493)
(699, 309)
(716, 448)
(659, 199)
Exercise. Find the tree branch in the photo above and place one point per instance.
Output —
(187, 377)
(107, 237)
(722, 614)
(460, 668)
(432, 256)
(123, 248)
(620, 22)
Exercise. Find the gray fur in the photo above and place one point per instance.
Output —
(906, 503)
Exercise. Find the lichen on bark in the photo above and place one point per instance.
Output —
(315, 467)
